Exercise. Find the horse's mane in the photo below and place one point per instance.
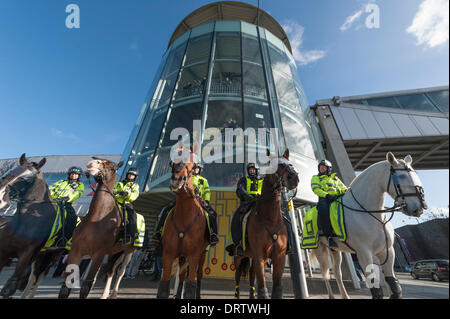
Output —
(372, 167)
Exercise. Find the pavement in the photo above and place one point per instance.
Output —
(141, 287)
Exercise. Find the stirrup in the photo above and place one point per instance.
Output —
(331, 243)
(239, 251)
(213, 239)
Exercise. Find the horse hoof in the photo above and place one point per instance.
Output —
(396, 296)
(277, 292)
(189, 290)
(262, 293)
(64, 292)
(163, 290)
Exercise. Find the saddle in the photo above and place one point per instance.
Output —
(56, 232)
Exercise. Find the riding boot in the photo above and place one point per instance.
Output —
(213, 239)
(332, 244)
(161, 220)
(132, 224)
(377, 293)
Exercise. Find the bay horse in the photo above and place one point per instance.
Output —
(369, 232)
(26, 233)
(267, 233)
(98, 233)
(185, 230)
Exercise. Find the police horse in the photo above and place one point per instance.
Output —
(98, 234)
(369, 233)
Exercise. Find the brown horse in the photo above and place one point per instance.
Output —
(99, 231)
(25, 234)
(267, 232)
(185, 231)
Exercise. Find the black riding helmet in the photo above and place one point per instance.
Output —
(327, 164)
(132, 171)
(199, 166)
(76, 170)
(252, 165)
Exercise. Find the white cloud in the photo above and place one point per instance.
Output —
(351, 19)
(295, 33)
(64, 135)
(430, 25)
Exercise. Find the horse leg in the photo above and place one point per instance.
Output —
(110, 274)
(181, 276)
(31, 281)
(73, 259)
(260, 278)
(389, 275)
(365, 258)
(11, 285)
(120, 273)
(321, 254)
(200, 274)
(237, 276)
(191, 285)
(251, 278)
(89, 281)
(38, 282)
(337, 271)
(278, 269)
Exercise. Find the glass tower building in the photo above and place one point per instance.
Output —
(228, 65)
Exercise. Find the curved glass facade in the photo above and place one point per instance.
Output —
(224, 74)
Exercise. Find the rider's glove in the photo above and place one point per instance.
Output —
(331, 198)
(63, 199)
(123, 194)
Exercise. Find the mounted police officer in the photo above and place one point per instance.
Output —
(126, 192)
(328, 187)
(248, 190)
(65, 192)
(201, 188)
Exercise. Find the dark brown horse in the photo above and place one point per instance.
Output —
(185, 231)
(25, 234)
(98, 234)
(267, 233)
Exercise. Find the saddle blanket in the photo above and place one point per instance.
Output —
(56, 231)
(310, 238)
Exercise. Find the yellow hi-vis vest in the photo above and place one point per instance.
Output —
(322, 185)
(254, 186)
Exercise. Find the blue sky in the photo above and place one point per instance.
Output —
(79, 91)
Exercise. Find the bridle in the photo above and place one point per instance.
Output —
(280, 184)
(178, 167)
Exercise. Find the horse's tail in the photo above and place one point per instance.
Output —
(244, 266)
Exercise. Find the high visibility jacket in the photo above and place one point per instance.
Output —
(201, 185)
(249, 186)
(131, 188)
(63, 188)
(322, 185)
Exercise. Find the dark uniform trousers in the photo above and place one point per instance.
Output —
(323, 219)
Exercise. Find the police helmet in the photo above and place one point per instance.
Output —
(76, 170)
(327, 164)
(252, 165)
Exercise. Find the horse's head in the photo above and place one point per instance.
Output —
(286, 173)
(102, 169)
(405, 187)
(182, 163)
(15, 185)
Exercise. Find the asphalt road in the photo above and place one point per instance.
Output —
(141, 287)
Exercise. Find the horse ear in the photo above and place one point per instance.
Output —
(120, 164)
(195, 148)
(391, 159)
(41, 163)
(23, 160)
(408, 160)
(286, 154)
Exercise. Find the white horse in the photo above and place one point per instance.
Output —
(369, 233)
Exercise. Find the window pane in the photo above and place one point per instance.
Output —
(182, 117)
(384, 101)
(416, 102)
(440, 98)
(250, 49)
(226, 79)
(296, 133)
(192, 82)
(223, 174)
(228, 45)
(254, 83)
(224, 114)
(198, 49)
(176, 57)
(257, 116)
